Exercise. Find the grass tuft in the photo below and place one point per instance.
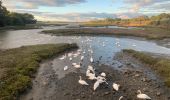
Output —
(160, 65)
(18, 66)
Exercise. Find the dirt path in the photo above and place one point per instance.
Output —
(131, 75)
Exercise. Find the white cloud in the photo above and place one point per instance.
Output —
(44, 16)
(34, 4)
(136, 5)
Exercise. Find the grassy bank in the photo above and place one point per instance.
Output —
(24, 27)
(160, 65)
(149, 33)
(18, 66)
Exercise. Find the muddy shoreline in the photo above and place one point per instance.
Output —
(131, 75)
(146, 33)
(161, 39)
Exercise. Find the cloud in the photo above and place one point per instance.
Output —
(34, 4)
(161, 7)
(75, 16)
(46, 16)
(136, 5)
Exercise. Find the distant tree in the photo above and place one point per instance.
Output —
(3, 14)
(28, 18)
(13, 18)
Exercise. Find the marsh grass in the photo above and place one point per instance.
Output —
(160, 65)
(148, 33)
(24, 27)
(19, 65)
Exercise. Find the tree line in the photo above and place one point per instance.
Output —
(8, 18)
(161, 20)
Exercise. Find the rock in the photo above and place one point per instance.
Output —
(137, 75)
(128, 63)
(126, 72)
(137, 71)
(66, 94)
(113, 63)
(145, 89)
(158, 86)
(106, 93)
(144, 79)
(83, 96)
(158, 93)
(113, 92)
(120, 66)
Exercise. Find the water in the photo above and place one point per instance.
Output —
(105, 47)
(116, 27)
(102, 47)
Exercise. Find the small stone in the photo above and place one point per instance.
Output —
(145, 89)
(66, 94)
(144, 79)
(113, 92)
(137, 75)
(158, 93)
(106, 93)
(113, 63)
(137, 71)
(158, 86)
(83, 96)
(128, 63)
(126, 72)
(120, 66)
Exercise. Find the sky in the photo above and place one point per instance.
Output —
(85, 10)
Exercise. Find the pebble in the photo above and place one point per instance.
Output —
(128, 63)
(106, 93)
(145, 89)
(158, 86)
(126, 72)
(158, 93)
(82, 96)
(120, 66)
(137, 75)
(144, 79)
(66, 94)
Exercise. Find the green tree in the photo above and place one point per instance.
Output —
(13, 18)
(3, 15)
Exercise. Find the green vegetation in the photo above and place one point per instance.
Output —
(12, 18)
(149, 33)
(18, 66)
(53, 23)
(160, 65)
(162, 21)
(24, 27)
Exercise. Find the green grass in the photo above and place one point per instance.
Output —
(160, 65)
(95, 24)
(19, 65)
(33, 26)
(148, 33)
